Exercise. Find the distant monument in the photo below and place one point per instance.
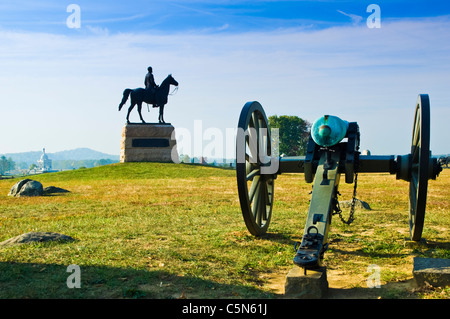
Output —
(44, 163)
(148, 142)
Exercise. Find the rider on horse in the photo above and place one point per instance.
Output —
(150, 84)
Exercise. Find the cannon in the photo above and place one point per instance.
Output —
(332, 151)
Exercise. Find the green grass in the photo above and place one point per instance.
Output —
(151, 230)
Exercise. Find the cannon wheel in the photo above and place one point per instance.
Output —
(420, 156)
(255, 189)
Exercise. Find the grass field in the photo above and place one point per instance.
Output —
(151, 230)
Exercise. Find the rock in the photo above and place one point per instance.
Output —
(36, 237)
(26, 187)
(17, 186)
(358, 204)
(54, 189)
(313, 285)
(432, 271)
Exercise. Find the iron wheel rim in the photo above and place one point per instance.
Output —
(255, 189)
(420, 155)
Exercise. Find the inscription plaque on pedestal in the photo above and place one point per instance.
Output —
(148, 143)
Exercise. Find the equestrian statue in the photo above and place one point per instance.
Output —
(152, 94)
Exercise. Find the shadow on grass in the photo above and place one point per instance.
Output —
(49, 281)
(436, 249)
(281, 238)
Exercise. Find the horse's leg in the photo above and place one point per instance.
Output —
(161, 114)
(129, 111)
(159, 117)
(139, 111)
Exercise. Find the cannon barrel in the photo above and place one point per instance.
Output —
(367, 164)
(398, 165)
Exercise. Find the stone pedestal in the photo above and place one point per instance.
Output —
(313, 285)
(148, 142)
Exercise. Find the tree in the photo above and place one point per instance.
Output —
(6, 165)
(293, 134)
(185, 158)
(3, 165)
(11, 164)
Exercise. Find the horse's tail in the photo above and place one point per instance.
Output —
(126, 93)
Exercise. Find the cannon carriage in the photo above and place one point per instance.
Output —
(332, 151)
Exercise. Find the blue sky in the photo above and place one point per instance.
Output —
(60, 86)
(232, 15)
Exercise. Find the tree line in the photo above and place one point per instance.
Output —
(74, 164)
(8, 165)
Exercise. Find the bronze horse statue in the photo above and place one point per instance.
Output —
(158, 98)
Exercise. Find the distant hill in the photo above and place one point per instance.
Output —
(81, 154)
(78, 154)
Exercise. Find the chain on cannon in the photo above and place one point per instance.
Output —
(337, 209)
(332, 151)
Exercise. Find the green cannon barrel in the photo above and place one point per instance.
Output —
(328, 130)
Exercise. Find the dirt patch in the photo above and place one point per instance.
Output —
(350, 286)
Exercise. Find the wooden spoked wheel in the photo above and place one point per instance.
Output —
(420, 157)
(253, 157)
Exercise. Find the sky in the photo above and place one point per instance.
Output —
(65, 64)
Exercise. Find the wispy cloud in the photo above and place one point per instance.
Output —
(356, 19)
(358, 73)
(116, 19)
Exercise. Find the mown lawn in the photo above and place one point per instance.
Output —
(151, 230)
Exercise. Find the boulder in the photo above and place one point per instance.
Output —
(26, 187)
(36, 237)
